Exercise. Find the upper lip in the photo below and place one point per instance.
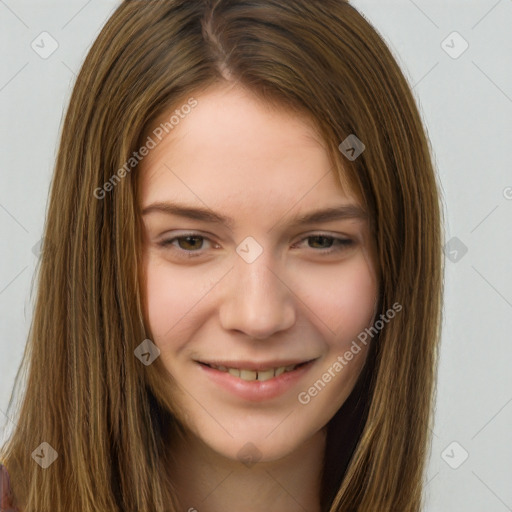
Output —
(253, 365)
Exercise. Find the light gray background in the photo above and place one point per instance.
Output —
(466, 104)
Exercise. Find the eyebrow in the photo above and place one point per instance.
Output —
(342, 212)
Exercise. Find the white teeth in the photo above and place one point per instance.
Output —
(234, 372)
(248, 375)
(279, 370)
(265, 374)
(261, 375)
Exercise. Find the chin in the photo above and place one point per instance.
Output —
(258, 445)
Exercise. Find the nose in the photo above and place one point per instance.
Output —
(256, 300)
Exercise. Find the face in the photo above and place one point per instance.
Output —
(254, 308)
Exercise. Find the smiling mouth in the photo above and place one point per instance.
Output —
(256, 375)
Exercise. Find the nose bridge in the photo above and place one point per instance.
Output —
(255, 300)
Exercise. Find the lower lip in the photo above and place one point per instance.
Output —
(257, 391)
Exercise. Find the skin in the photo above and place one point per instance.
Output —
(262, 167)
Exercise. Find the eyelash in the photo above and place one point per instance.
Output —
(343, 243)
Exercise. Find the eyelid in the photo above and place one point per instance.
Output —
(208, 236)
(343, 242)
(342, 238)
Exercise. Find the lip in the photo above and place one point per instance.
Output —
(251, 365)
(256, 391)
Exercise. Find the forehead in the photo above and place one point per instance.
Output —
(233, 147)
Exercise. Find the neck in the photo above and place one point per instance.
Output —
(209, 482)
(344, 431)
(306, 479)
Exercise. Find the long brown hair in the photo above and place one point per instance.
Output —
(86, 394)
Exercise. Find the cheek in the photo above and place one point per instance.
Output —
(171, 294)
(342, 299)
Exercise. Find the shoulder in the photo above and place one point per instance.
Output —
(5, 491)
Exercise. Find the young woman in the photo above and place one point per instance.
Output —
(239, 296)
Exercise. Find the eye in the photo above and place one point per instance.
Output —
(190, 245)
(329, 244)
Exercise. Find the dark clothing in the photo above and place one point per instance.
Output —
(5, 492)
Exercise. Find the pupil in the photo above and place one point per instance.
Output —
(316, 238)
(186, 241)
